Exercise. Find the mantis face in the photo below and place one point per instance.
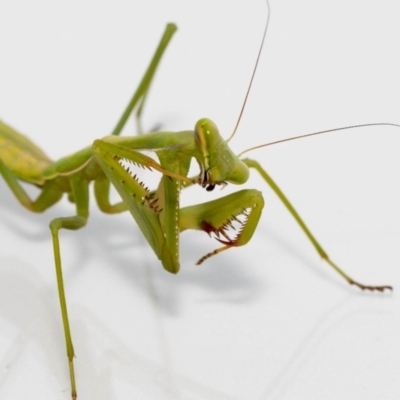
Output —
(218, 164)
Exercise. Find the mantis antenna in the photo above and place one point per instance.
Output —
(252, 75)
(317, 133)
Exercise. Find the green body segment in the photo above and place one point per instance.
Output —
(68, 165)
(23, 158)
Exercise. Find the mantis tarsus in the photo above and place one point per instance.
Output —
(163, 256)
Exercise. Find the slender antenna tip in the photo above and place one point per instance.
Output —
(253, 74)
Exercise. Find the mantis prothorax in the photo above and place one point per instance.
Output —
(157, 213)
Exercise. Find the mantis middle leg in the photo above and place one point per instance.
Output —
(254, 164)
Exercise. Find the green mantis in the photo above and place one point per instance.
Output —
(155, 212)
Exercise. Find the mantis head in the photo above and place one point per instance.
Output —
(218, 164)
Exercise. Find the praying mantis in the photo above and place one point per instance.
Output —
(196, 246)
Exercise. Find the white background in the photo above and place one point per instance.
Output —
(266, 321)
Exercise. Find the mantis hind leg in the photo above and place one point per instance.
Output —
(254, 164)
(81, 195)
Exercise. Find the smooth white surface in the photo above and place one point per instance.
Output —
(266, 321)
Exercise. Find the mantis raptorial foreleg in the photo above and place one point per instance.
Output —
(157, 214)
(214, 217)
